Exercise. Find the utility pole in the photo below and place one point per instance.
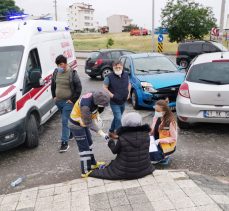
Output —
(222, 20)
(55, 6)
(153, 30)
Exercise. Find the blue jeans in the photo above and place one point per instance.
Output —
(65, 110)
(117, 112)
(157, 156)
(84, 142)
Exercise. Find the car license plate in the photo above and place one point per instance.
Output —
(216, 114)
(88, 71)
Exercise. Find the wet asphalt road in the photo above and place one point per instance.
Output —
(203, 149)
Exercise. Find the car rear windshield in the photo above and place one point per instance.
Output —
(94, 55)
(183, 47)
(210, 73)
(10, 61)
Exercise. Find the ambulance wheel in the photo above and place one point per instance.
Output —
(32, 133)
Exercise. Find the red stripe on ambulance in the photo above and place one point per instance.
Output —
(10, 89)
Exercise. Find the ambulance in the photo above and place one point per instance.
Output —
(28, 49)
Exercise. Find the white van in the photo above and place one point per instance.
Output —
(28, 49)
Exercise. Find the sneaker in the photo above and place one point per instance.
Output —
(98, 165)
(113, 135)
(86, 174)
(64, 147)
(71, 137)
(165, 161)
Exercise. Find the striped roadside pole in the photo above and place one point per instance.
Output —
(160, 47)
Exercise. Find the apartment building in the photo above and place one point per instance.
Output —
(81, 17)
(116, 23)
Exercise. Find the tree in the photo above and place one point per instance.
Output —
(186, 19)
(110, 42)
(8, 7)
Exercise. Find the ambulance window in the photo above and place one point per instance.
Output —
(32, 63)
(33, 60)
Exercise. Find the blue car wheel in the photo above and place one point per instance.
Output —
(134, 100)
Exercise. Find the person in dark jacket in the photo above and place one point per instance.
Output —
(132, 149)
(66, 89)
(118, 86)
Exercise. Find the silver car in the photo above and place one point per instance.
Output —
(204, 95)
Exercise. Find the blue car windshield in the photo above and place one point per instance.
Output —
(153, 65)
(10, 61)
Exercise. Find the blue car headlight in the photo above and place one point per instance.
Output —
(148, 87)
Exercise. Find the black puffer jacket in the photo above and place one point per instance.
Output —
(132, 159)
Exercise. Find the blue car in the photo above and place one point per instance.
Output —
(153, 76)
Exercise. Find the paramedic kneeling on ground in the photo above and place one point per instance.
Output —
(85, 116)
(164, 130)
(132, 149)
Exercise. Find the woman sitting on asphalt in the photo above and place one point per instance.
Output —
(132, 149)
(164, 131)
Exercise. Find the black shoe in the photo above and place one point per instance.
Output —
(64, 147)
(71, 137)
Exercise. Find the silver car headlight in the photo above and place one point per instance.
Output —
(6, 106)
(148, 87)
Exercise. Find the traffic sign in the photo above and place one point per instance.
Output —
(160, 38)
(215, 32)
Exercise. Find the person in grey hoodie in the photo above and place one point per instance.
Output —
(85, 117)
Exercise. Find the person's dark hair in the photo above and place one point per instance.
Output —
(117, 62)
(168, 116)
(61, 59)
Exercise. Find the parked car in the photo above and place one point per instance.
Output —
(104, 30)
(138, 32)
(99, 63)
(189, 50)
(203, 97)
(153, 76)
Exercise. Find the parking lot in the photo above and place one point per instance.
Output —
(203, 149)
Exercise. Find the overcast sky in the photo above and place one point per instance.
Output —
(139, 11)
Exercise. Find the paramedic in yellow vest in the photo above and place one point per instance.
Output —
(85, 117)
(164, 130)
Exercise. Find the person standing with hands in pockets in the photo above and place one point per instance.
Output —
(118, 87)
(66, 89)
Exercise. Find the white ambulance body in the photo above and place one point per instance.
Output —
(28, 49)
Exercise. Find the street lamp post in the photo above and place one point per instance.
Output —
(153, 31)
(222, 20)
(55, 6)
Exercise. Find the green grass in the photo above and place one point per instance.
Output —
(121, 40)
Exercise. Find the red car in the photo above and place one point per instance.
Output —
(138, 32)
